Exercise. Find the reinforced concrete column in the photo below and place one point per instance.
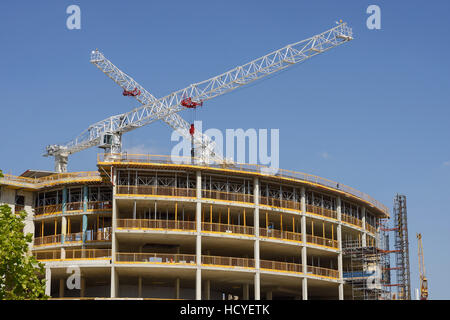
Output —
(114, 244)
(303, 248)
(63, 221)
(305, 288)
(339, 239)
(63, 218)
(364, 234)
(208, 289)
(140, 287)
(177, 288)
(378, 239)
(61, 288)
(114, 241)
(63, 228)
(85, 220)
(198, 247)
(246, 291)
(257, 281)
(82, 286)
(114, 283)
(48, 281)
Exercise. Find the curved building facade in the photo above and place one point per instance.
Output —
(145, 227)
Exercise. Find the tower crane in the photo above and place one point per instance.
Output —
(423, 278)
(108, 133)
(175, 121)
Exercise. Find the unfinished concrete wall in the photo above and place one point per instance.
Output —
(8, 196)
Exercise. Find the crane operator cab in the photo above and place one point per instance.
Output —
(112, 143)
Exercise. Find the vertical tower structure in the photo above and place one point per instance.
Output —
(401, 245)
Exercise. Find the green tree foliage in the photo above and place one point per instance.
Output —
(19, 271)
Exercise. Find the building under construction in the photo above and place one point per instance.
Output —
(204, 227)
(144, 227)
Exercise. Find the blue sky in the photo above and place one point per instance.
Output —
(372, 114)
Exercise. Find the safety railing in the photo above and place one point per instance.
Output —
(159, 159)
(351, 220)
(322, 241)
(47, 255)
(155, 224)
(156, 258)
(219, 261)
(298, 268)
(74, 206)
(269, 201)
(49, 209)
(156, 191)
(321, 211)
(18, 208)
(276, 202)
(289, 204)
(370, 228)
(227, 228)
(324, 272)
(90, 235)
(36, 183)
(280, 266)
(294, 236)
(11, 178)
(79, 254)
(73, 254)
(99, 234)
(47, 240)
(278, 234)
(228, 262)
(73, 237)
(227, 196)
(69, 176)
(99, 205)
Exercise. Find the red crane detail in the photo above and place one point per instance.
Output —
(192, 130)
(132, 93)
(188, 103)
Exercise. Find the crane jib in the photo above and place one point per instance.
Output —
(167, 108)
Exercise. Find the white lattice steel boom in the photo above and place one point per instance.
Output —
(174, 120)
(166, 107)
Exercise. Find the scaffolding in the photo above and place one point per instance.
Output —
(385, 259)
(367, 271)
(401, 245)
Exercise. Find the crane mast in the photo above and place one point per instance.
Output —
(423, 279)
(108, 133)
